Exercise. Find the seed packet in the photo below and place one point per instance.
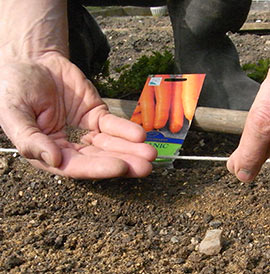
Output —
(165, 109)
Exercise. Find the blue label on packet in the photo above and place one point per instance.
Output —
(155, 81)
(155, 136)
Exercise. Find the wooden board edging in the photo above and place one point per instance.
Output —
(206, 119)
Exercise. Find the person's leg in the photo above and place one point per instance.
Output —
(88, 45)
(202, 46)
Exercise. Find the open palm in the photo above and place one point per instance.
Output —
(40, 99)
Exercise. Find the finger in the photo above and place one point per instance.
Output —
(91, 163)
(97, 117)
(110, 143)
(122, 128)
(80, 166)
(254, 146)
(29, 140)
(137, 166)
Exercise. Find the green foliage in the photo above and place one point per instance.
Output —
(257, 71)
(132, 78)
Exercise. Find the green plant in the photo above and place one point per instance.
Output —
(132, 78)
(257, 71)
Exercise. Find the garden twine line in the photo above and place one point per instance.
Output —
(191, 158)
(9, 150)
(199, 158)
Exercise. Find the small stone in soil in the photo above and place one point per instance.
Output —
(208, 218)
(3, 165)
(215, 224)
(211, 244)
(174, 240)
(13, 260)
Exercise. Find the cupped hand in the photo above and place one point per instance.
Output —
(39, 99)
(254, 147)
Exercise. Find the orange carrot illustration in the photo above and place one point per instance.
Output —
(137, 109)
(190, 93)
(163, 103)
(136, 118)
(147, 103)
(177, 112)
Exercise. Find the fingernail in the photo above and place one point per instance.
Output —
(230, 166)
(46, 158)
(244, 175)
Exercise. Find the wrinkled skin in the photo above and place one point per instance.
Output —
(41, 92)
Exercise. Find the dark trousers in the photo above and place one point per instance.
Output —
(201, 44)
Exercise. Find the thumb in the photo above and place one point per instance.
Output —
(28, 138)
(38, 146)
(254, 146)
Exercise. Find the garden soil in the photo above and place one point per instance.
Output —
(53, 224)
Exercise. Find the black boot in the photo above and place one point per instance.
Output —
(202, 46)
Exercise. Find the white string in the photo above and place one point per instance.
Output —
(191, 158)
(9, 150)
(198, 158)
(195, 158)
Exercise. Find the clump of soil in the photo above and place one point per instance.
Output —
(54, 224)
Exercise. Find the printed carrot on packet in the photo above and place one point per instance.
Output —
(165, 110)
(190, 93)
(177, 112)
(147, 104)
(163, 94)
